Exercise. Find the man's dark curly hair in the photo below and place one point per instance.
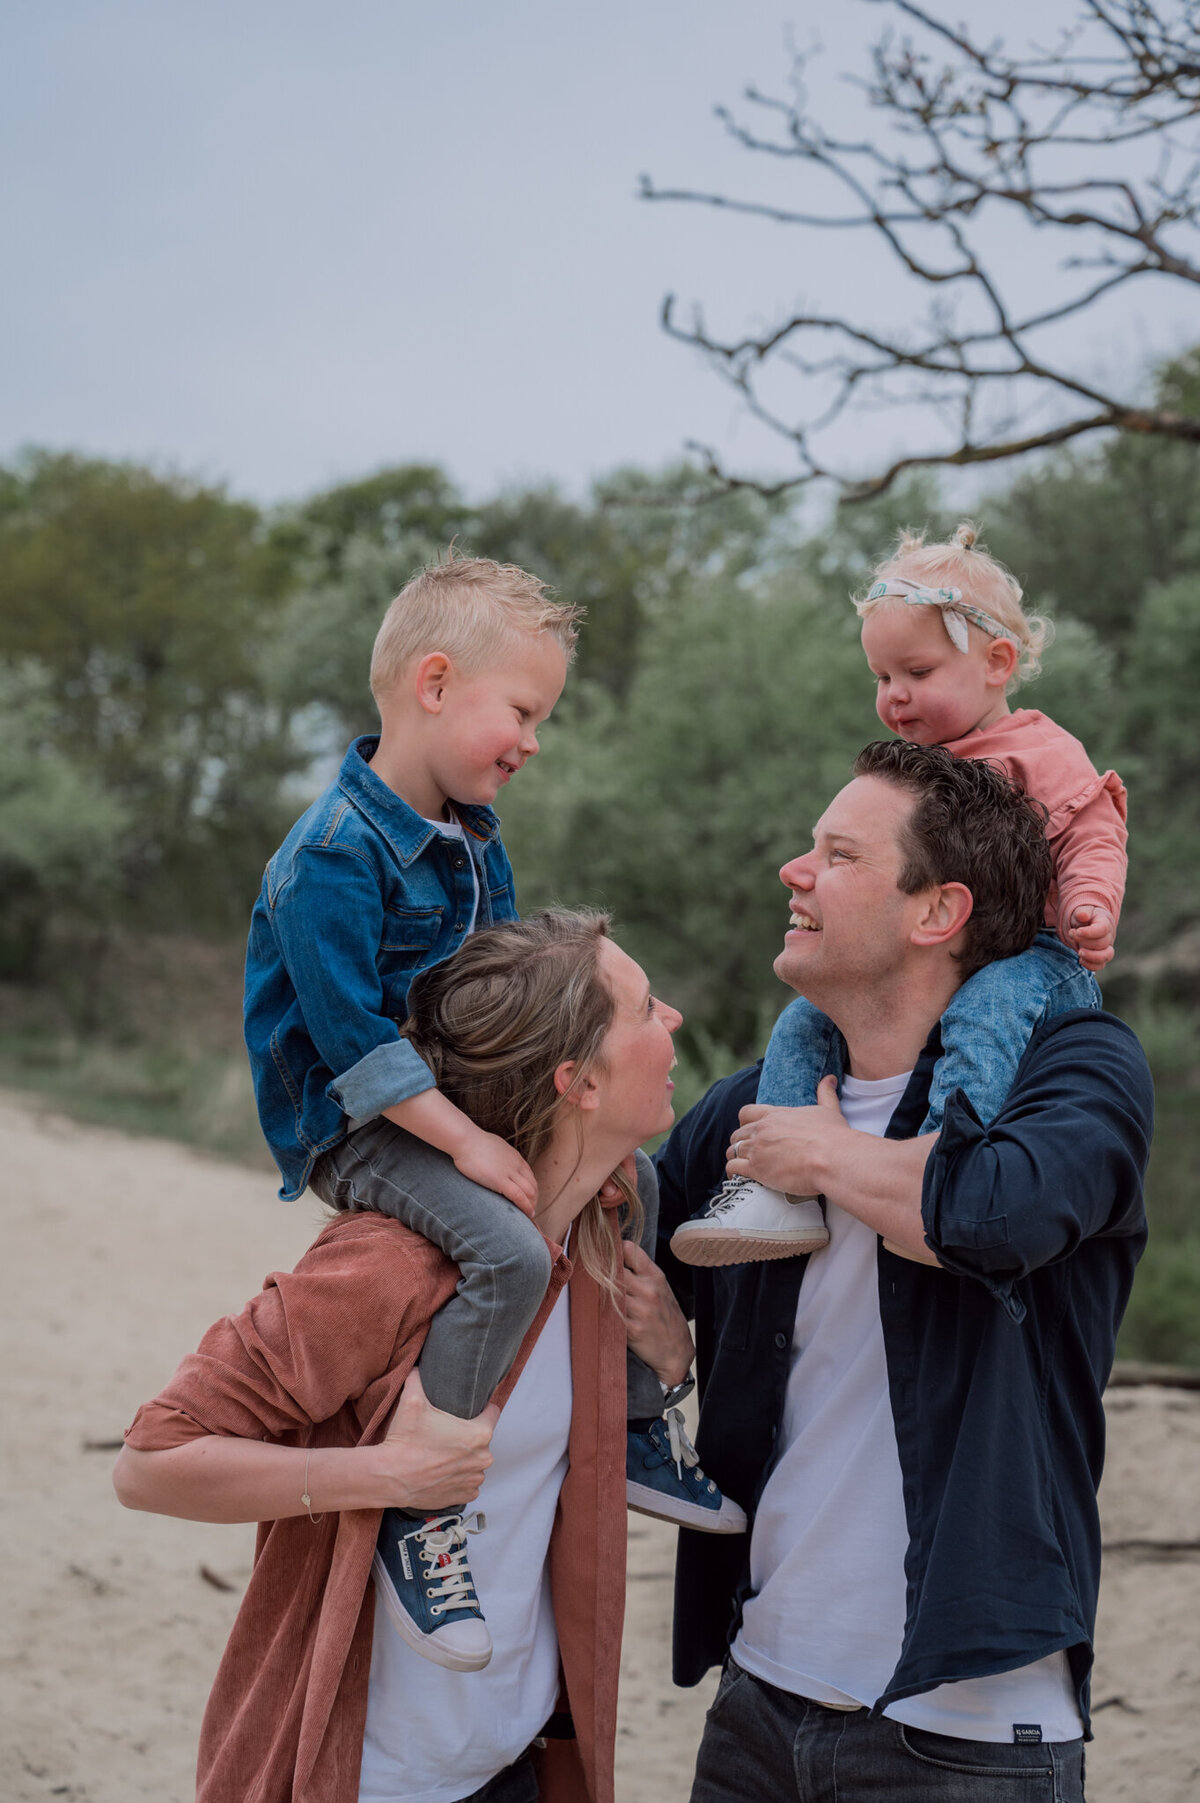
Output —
(970, 824)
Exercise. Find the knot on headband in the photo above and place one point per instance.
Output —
(955, 611)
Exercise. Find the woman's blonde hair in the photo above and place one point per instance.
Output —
(495, 1022)
(471, 608)
(963, 563)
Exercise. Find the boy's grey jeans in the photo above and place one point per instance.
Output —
(503, 1259)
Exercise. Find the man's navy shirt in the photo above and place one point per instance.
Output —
(996, 1363)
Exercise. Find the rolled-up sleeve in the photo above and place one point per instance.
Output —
(328, 920)
(1063, 1161)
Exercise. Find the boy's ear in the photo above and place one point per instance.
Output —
(946, 911)
(429, 680)
(1002, 656)
(576, 1091)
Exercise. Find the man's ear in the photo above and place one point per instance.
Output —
(577, 1091)
(1002, 657)
(429, 680)
(945, 913)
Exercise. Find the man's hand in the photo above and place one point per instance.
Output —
(430, 1460)
(486, 1158)
(654, 1325)
(1092, 930)
(789, 1149)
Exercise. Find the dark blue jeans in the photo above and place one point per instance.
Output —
(760, 1742)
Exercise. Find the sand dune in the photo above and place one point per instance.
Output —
(118, 1253)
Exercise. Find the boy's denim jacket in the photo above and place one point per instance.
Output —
(362, 894)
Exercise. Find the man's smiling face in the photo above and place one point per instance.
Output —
(850, 923)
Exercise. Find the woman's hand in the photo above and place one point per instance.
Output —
(654, 1324)
(430, 1459)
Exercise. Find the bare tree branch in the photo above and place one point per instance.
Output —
(971, 135)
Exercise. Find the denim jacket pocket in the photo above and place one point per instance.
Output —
(408, 934)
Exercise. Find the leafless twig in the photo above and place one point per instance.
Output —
(1092, 145)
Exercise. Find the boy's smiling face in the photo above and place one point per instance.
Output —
(927, 690)
(486, 725)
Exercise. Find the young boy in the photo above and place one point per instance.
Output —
(383, 876)
(946, 637)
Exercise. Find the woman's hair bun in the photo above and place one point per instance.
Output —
(965, 534)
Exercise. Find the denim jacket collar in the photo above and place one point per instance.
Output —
(406, 831)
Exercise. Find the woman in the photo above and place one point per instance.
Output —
(300, 1413)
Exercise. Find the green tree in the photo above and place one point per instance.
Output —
(60, 832)
(676, 805)
(150, 602)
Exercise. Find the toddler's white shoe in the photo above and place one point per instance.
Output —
(746, 1222)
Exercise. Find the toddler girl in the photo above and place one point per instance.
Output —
(947, 639)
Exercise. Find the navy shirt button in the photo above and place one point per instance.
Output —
(781, 1340)
(460, 863)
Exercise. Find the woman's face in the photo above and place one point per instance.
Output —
(633, 1086)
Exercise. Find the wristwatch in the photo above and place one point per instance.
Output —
(673, 1393)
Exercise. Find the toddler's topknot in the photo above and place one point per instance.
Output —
(961, 562)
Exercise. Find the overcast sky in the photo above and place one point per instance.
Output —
(283, 242)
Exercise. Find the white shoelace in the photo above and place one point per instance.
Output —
(682, 1450)
(442, 1549)
(730, 1194)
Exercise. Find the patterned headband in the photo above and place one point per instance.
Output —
(955, 611)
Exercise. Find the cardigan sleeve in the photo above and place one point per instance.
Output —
(1062, 1162)
(312, 1340)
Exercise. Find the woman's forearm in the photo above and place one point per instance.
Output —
(429, 1460)
(220, 1479)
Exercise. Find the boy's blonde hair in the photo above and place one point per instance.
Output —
(962, 563)
(472, 608)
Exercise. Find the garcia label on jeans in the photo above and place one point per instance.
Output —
(1027, 1734)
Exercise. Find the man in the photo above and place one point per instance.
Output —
(912, 1417)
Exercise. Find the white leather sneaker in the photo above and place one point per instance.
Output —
(746, 1223)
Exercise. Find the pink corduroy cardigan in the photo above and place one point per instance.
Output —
(318, 1358)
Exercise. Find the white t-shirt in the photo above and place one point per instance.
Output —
(826, 1619)
(433, 1735)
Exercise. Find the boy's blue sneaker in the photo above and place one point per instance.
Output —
(663, 1478)
(424, 1580)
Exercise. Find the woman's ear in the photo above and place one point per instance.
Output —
(946, 912)
(429, 680)
(1002, 656)
(579, 1090)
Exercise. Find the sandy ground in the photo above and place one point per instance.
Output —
(118, 1253)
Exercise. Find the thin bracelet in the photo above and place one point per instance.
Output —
(306, 1499)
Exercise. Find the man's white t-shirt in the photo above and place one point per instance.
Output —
(433, 1735)
(826, 1619)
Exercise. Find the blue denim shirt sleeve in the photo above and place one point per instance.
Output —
(1001, 1201)
(328, 918)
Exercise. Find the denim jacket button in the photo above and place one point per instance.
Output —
(458, 926)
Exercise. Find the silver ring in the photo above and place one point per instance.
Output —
(737, 1149)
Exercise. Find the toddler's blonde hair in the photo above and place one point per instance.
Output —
(473, 609)
(963, 563)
